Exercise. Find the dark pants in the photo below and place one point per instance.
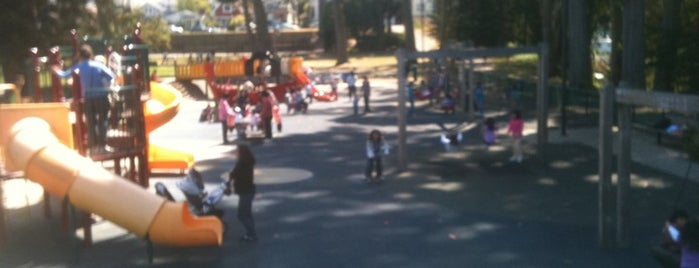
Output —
(366, 103)
(224, 129)
(267, 125)
(352, 91)
(374, 164)
(245, 213)
(96, 112)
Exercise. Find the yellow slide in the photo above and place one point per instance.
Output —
(29, 144)
(161, 108)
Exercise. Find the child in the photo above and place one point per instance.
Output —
(448, 104)
(206, 114)
(375, 147)
(489, 132)
(355, 103)
(515, 128)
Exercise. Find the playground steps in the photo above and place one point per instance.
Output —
(189, 90)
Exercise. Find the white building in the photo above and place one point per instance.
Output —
(422, 7)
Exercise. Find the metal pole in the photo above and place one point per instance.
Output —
(623, 176)
(605, 195)
(422, 25)
(462, 84)
(402, 161)
(471, 86)
(542, 99)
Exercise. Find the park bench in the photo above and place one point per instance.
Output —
(668, 128)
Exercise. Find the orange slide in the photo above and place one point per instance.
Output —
(161, 108)
(36, 138)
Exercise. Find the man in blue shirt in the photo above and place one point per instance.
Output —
(95, 81)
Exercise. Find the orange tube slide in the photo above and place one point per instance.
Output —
(32, 147)
(161, 108)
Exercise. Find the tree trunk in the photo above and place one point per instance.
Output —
(248, 22)
(106, 17)
(341, 54)
(407, 14)
(579, 54)
(632, 69)
(443, 34)
(262, 28)
(545, 10)
(667, 46)
(617, 32)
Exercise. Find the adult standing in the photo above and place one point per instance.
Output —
(266, 114)
(95, 80)
(224, 113)
(242, 177)
(366, 92)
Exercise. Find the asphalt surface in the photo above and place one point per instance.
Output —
(465, 206)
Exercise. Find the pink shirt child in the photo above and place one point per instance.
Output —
(515, 127)
(224, 109)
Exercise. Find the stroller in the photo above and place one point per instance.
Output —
(200, 202)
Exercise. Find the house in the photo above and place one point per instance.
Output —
(184, 18)
(224, 12)
(153, 10)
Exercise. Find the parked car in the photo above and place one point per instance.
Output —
(176, 29)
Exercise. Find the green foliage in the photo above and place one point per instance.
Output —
(236, 21)
(374, 43)
(365, 22)
(195, 5)
(156, 34)
(483, 23)
(305, 12)
(326, 29)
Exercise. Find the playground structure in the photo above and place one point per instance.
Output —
(245, 69)
(46, 143)
(464, 98)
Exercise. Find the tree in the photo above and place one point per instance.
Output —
(407, 15)
(262, 28)
(616, 34)
(248, 23)
(667, 46)
(35, 23)
(579, 52)
(341, 53)
(633, 61)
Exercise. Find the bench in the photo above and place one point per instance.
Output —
(668, 127)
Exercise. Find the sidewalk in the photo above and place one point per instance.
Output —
(644, 150)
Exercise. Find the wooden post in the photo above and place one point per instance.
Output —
(56, 86)
(623, 176)
(605, 194)
(402, 161)
(36, 74)
(471, 86)
(542, 99)
(462, 85)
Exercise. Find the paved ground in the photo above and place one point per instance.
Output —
(464, 207)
